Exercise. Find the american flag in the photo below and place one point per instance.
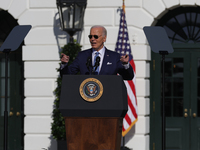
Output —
(123, 47)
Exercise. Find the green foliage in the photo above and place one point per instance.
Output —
(58, 125)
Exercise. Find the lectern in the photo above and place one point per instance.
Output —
(93, 107)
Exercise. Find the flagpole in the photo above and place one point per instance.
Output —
(123, 146)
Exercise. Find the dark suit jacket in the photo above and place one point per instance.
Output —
(111, 65)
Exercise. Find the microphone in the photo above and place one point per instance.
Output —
(88, 63)
(97, 62)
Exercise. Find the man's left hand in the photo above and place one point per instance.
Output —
(124, 59)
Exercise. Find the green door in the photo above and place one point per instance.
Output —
(15, 100)
(182, 26)
(181, 100)
(195, 101)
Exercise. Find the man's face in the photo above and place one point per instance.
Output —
(97, 44)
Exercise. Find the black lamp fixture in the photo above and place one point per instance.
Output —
(71, 14)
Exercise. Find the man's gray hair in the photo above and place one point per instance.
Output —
(104, 29)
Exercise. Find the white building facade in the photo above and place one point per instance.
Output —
(41, 58)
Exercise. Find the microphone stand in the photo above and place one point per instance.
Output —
(88, 67)
(88, 64)
(93, 70)
(96, 65)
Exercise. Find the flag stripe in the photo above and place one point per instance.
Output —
(132, 108)
(132, 86)
(128, 119)
(133, 65)
(130, 93)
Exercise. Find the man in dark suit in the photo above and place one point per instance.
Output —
(110, 62)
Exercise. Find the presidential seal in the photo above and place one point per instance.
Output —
(91, 89)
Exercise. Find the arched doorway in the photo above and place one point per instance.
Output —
(182, 84)
(15, 88)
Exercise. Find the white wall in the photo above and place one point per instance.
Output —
(41, 58)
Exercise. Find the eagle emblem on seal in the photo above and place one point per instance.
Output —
(91, 88)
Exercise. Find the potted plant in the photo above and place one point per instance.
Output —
(58, 125)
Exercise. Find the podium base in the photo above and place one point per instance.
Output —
(93, 133)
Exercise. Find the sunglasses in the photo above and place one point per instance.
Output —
(95, 36)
